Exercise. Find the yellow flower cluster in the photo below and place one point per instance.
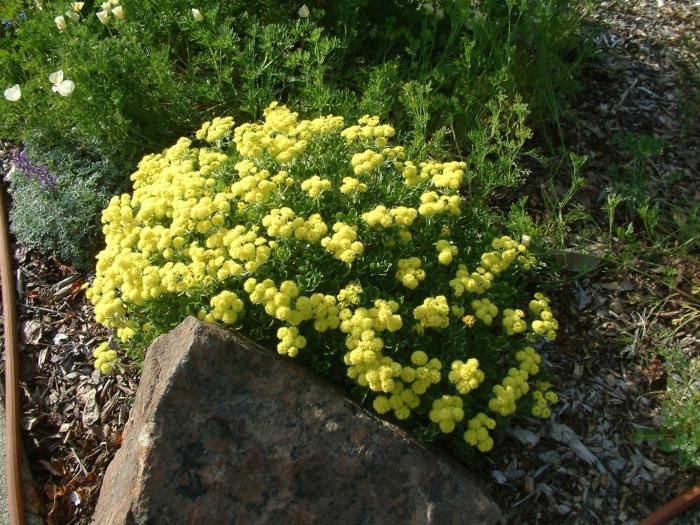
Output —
(476, 282)
(400, 216)
(395, 154)
(365, 361)
(219, 224)
(283, 222)
(543, 398)
(281, 135)
(343, 244)
(513, 387)
(484, 310)
(447, 411)
(215, 130)
(546, 325)
(505, 252)
(433, 204)
(290, 341)
(403, 216)
(427, 372)
(352, 185)
(225, 308)
(411, 175)
(369, 128)
(433, 313)
(402, 401)
(277, 302)
(315, 185)
(366, 161)
(466, 376)
(350, 295)
(478, 434)
(457, 311)
(443, 174)
(410, 274)
(513, 321)
(105, 359)
(469, 321)
(254, 186)
(246, 246)
(379, 216)
(285, 304)
(529, 360)
(446, 251)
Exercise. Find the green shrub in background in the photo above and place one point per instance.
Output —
(145, 79)
(153, 70)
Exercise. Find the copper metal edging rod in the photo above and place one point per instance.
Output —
(13, 443)
(674, 507)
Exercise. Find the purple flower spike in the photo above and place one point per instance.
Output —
(40, 172)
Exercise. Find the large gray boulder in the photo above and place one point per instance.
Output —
(223, 431)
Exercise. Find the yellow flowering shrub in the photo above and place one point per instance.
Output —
(327, 242)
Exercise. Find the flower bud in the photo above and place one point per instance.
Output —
(103, 16)
(60, 22)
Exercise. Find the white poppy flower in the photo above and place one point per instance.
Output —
(60, 22)
(73, 16)
(14, 93)
(106, 6)
(114, 2)
(64, 88)
(77, 6)
(56, 77)
(118, 12)
(103, 16)
(197, 15)
(303, 11)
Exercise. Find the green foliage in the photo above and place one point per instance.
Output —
(679, 430)
(450, 75)
(142, 81)
(62, 219)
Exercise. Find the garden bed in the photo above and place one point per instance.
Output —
(598, 459)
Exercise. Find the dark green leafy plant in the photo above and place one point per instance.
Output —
(451, 75)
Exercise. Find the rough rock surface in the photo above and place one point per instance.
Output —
(223, 431)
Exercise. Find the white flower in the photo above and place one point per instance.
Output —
(197, 15)
(303, 11)
(60, 86)
(77, 6)
(60, 22)
(114, 2)
(73, 16)
(13, 93)
(106, 6)
(64, 88)
(103, 16)
(56, 77)
(118, 12)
